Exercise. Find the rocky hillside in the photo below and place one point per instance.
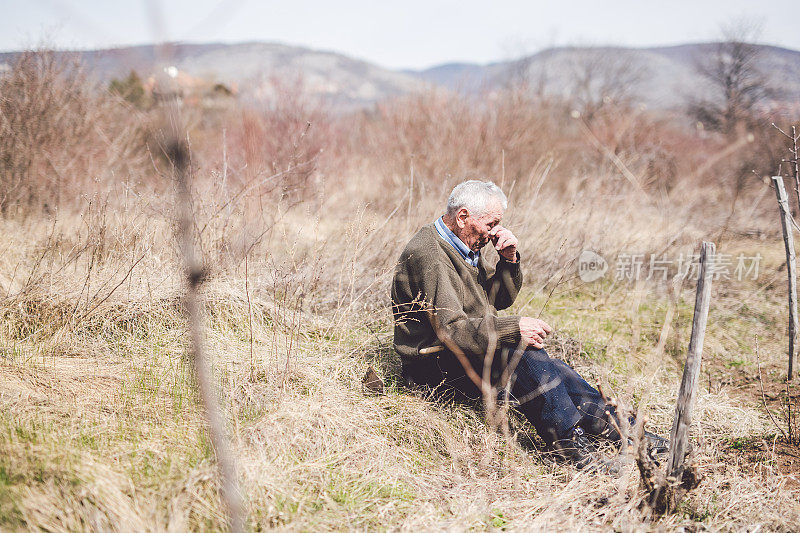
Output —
(662, 78)
(250, 67)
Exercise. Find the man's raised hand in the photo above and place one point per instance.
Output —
(533, 331)
(504, 242)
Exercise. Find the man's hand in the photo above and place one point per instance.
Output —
(504, 242)
(533, 331)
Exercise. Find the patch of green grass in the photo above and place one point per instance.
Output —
(31, 454)
(694, 513)
(594, 351)
(10, 514)
(250, 411)
(497, 520)
(740, 443)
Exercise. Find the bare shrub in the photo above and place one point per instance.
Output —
(445, 137)
(56, 135)
(285, 133)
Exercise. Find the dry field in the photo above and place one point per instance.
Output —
(299, 228)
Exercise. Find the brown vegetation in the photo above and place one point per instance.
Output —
(299, 214)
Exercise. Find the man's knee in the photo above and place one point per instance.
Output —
(536, 362)
(539, 354)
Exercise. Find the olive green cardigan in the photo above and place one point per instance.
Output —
(431, 275)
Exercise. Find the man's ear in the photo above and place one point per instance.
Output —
(461, 217)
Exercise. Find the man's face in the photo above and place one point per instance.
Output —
(475, 229)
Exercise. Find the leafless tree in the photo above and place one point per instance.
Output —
(588, 79)
(738, 86)
(600, 78)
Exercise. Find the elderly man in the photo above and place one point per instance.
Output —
(447, 289)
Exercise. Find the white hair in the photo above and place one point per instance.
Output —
(475, 196)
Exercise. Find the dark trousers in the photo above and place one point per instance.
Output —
(551, 395)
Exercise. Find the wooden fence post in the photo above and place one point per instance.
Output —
(788, 242)
(679, 437)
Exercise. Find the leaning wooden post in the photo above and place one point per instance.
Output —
(788, 242)
(679, 437)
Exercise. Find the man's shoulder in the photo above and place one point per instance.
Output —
(422, 242)
(424, 250)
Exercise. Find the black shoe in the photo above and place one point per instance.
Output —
(577, 450)
(657, 447)
(657, 444)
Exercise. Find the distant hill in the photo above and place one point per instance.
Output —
(661, 77)
(250, 66)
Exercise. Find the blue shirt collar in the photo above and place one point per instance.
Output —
(468, 255)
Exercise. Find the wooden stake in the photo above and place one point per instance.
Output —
(679, 437)
(788, 241)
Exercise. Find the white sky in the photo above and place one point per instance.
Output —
(398, 34)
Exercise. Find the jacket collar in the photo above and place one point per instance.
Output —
(447, 234)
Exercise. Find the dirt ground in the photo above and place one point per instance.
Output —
(765, 456)
(777, 453)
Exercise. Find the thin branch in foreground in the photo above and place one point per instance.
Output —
(457, 351)
(193, 270)
(178, 154)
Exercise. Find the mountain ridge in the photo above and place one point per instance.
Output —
(658, 76)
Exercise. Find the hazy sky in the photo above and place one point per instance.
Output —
(399, 34)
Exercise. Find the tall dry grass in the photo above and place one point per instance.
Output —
(298, 233)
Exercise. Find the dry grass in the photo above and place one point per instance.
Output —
(100, 426)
